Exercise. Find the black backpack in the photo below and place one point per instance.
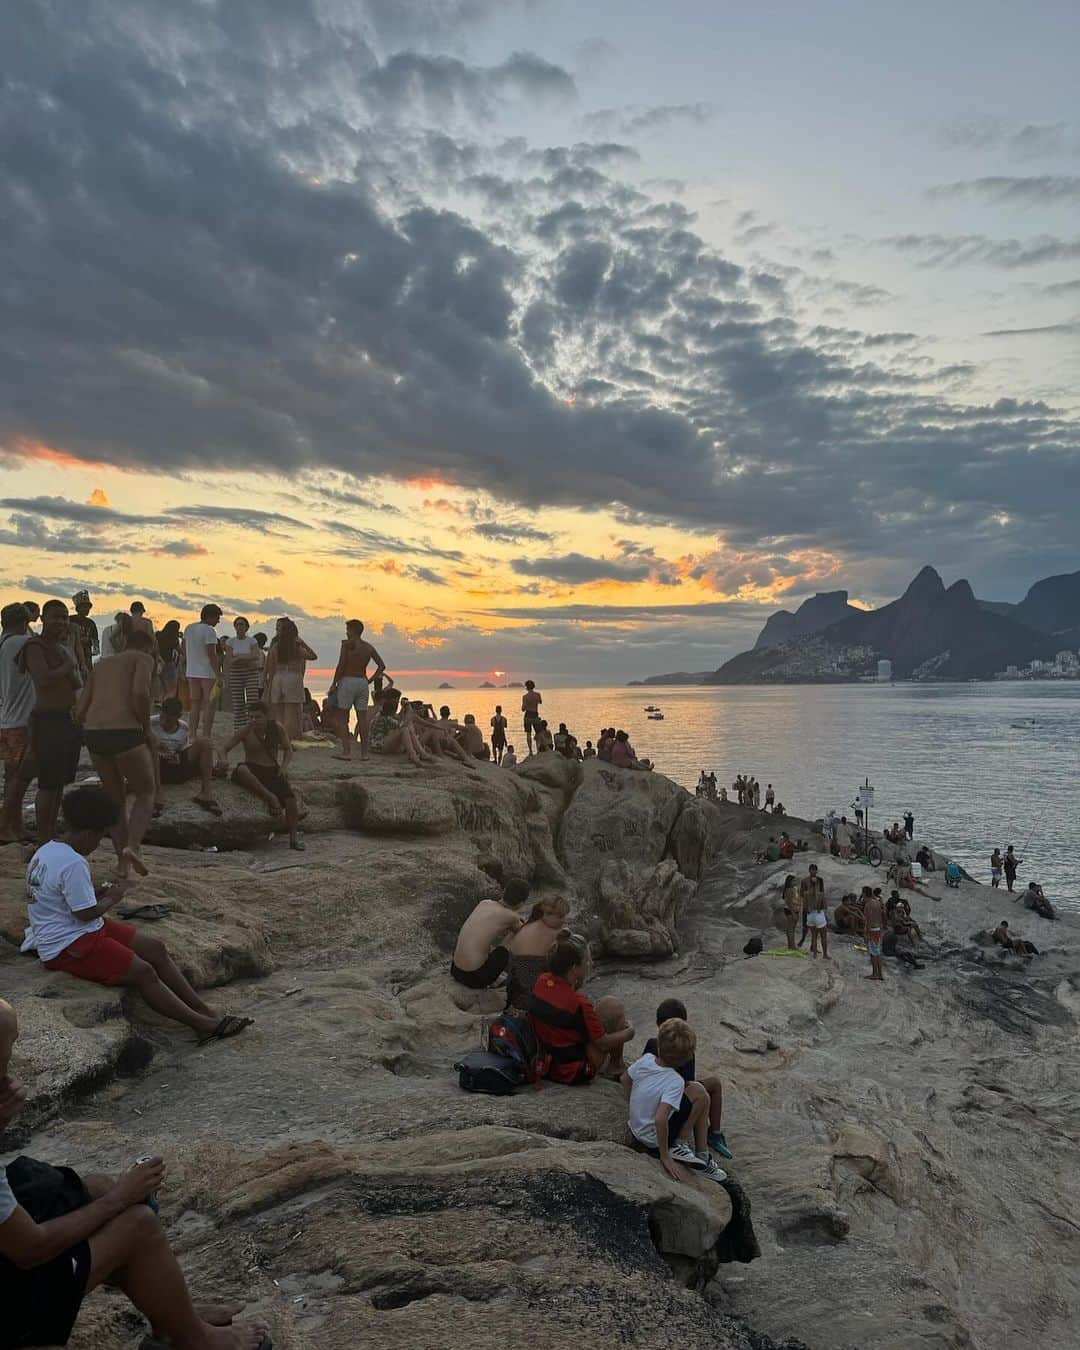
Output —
(486, 1071)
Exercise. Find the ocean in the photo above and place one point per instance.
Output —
(977, 764)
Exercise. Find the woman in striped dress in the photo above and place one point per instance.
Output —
(243, 671)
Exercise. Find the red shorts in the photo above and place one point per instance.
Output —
(103, 956)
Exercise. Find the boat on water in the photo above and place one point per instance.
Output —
(651, 708)
(655, 716)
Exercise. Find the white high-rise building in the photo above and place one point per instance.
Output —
(884, 672)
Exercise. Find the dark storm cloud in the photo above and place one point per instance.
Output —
(575, 568)
(957, 250)
(1043, 190)
(220, 258)
(33, 533)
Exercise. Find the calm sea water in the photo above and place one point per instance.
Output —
(978, 764)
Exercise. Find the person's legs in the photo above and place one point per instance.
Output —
(824, 932)
(290, 719)
(698, 1123)
(197, 695)
(46, 812)
(155, 953)
(107, 768)
(805, 930)
(243, 777)
(292, 818)
(715, 1090)
(132, 1253)
(16, 781)
(612, 1014)
(201, 754)
(789, 923)
(142, 976)
(136, 770)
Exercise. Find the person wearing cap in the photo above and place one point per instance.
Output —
(84, 628)
(203, 665)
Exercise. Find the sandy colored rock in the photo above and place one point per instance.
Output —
(638, 910)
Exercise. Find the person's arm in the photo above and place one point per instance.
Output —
(286, 747)
(226, 659)
(627, 1083)
(380, 664)
(306, 652)
(339, 669)
(141, 700)
(27, 1244)
(660, 1121)
(46, 676)
(82, 705)
(231, 744)
(214, 653)
(83, 900)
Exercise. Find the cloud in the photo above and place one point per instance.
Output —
(33, 533)
(243, 517)
(619, 613)
(509, 532)
(366, 543)
(943, 250)
(61, 508)
(97, 498)
(267, 570)
(181, 548)
(1044, 190)
(575, 568)
(1032, 140)
(637, 119)
(441, 86)
(1046, 328)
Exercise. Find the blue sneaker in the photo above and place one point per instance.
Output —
(718, 1143)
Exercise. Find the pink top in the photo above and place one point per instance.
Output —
(622, 754)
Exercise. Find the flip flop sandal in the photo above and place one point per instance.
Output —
(144, 912)
(228, 1027)
(208, 804)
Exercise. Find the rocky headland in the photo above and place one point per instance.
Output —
(906, 1148)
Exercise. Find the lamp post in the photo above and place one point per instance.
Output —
(864, 795)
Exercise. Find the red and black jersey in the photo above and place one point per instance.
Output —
(565, 1022)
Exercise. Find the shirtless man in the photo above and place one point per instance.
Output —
(471, 738)
(478, 961)
(261, 773)
(498, 734)
(55, 736)
(530, 707)
(873, 926)
(351, 687)
(114, 710)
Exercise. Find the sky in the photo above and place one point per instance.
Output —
(552, 340)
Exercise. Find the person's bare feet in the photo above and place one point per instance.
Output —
(220, 1314)
(239, 1336)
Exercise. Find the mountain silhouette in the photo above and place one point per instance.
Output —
(821, 610)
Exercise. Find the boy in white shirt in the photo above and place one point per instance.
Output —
(666, 1112)
(70, 930)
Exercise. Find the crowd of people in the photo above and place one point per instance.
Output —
(674, 1113)
(747, 792)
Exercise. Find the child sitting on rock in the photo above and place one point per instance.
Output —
(668, 1113)
(674, 1007)
(480, 957)
(582, 1041)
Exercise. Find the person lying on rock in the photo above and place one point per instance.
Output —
(263, 740)
(71, 930)
(1004, 938)
(668, 1112)
(62, 1235)
(582, 1041)
(674, 1007)
(1035, 899)
(531, 946)
(179, 759)
(480, 956)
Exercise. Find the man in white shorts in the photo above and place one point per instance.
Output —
(351, 687)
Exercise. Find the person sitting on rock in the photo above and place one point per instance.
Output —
(178, 758)
(848, 915)
(925, 859)
(666, 1110)
(1035, 899)
(531, 946)
(63, 1235)
(471, 738)
(71, 932)
(581, 1040)
(674, 1007)
(623, 755)
(480, 956)
(1004, 938)
(262, 740)
(770, 853)
(509, 759)
(787, 846)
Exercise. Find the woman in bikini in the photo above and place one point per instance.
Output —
(284, 676)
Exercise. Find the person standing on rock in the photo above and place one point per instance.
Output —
(1011, 865)
(114, 710)
(770, 797)
(16, 709)
(63, 1235)
(55, 736)
(499, 723)
(530, 708)
(202, 660)
(810, 889)
(909, 824)
(351, 687)
(84, 628)
(71, 932)
(996, 863)
(792, 909)
(873, 928)
(480, 954)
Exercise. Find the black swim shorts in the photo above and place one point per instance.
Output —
(55, 743)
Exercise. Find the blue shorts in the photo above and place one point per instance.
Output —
(874, 948)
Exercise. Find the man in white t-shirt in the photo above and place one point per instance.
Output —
(71, 932)
(669, 1117)
(202, 664)
(178, 758)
